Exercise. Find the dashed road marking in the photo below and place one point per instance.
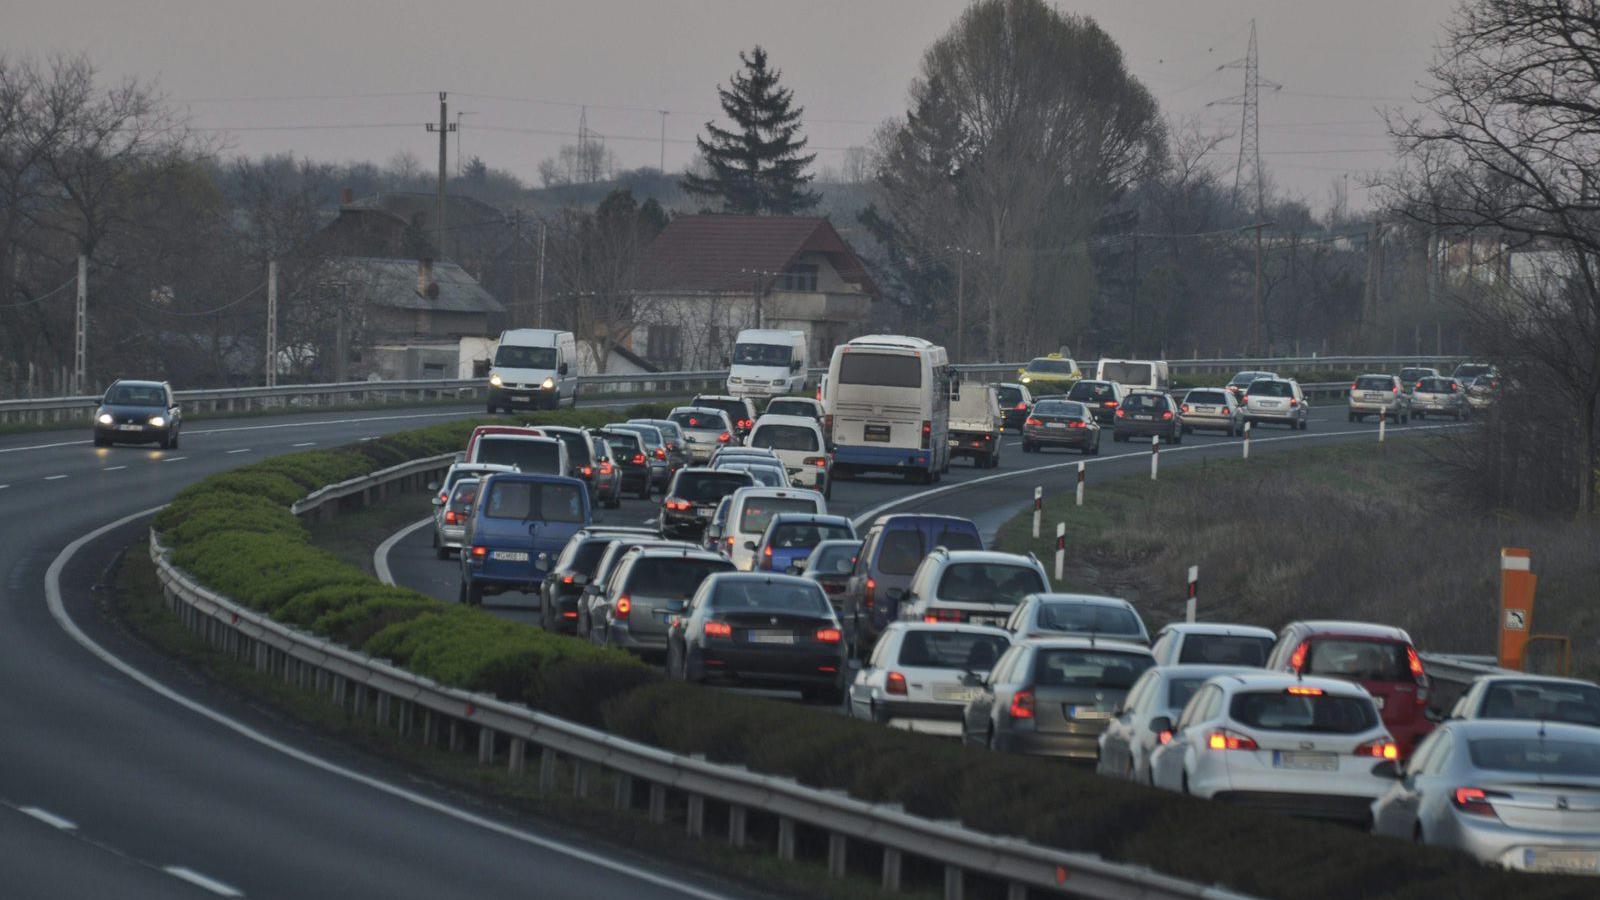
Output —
(195, 878)
(113, 468)
(305, 444)
(175, 459)
(54, 477)
(240, 450)
(49, 818)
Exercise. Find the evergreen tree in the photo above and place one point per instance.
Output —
(757, 168)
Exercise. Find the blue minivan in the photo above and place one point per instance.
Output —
(517, 529)
(891, 550)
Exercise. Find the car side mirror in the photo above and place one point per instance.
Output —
(1434, 715)
(749, 545)
(793, 570)
(561, 369)
(677, 606)
(969, 678)
(1160, 724)
(1388, 769)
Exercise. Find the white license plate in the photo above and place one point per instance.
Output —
(771, 637)
(955, 694)
(1372, 397)
(509, 556)
(1574, 861)
(986, 620)
(1055, 424)
(1305, 761)
(954, 442)
(523, 398)
(130, 427)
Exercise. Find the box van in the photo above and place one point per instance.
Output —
(975, 423)
(531, 455)
(891, 551)
(750, 511)
(1135, 374)
(767, 363)
(888, 407)
(518, 527)
(533, 368)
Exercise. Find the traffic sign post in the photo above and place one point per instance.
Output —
(1382, 424)
(1517, 584)
(1246, 444)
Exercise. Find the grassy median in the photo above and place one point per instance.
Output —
(1340, 531)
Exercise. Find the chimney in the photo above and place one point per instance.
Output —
(347, 196)
(425, 278)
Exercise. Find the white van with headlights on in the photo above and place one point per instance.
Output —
(533, 368)
(767, 363)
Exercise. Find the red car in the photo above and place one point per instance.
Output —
(1380, 658)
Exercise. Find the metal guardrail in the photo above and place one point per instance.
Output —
(508, 732)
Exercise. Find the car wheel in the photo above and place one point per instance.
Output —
(101, 442)
(172, 442)
(474, 594)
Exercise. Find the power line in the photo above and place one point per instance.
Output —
(45, 296)
(215, 309)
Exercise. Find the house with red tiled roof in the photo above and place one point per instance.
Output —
(706, 277)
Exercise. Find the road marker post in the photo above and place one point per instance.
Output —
(1080, 483)
(1155, 455)
(1246, 444)
(1061, 549)
(1194, 594)
(1382, 422)
(1038, 507)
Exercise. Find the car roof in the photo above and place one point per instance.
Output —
(480, 467)
(562, 429)
(624, 530)
(965, 627)
(1218, 628)
(764, 491)
(1084, 643)
(1200, 670)
(824, 518)
(900, 518)
(764, 577)
(779, 419)
(1261, 679)
(1528, 678)
(986, 556)
(1085, 599)
(811, 400)
(1527, 728)
(830, 543)
(676, 550)
(705, 470)
(1375, 375)
(698, 397)
(701, 409)
(1338, 628)
(138, 382)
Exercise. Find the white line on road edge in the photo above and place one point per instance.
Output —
(49, 818)
(240, 450)
(305, 444)
(195, 878)
(175, 459)
(58, 610)
(380, 556)
(113, 468)
(54, 477)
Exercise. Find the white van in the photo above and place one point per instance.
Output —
(529, 454)
(767, 363)
(798, 443)
(533, 368)
(888, 407)
(1135, 374)
(976, 424)
(751, 509)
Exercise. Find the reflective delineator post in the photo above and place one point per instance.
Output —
(1080, 484)
(1038, 507)
(1155, 455)
(1061, 549)
(1194, 594)
(1381, 423)
(1246, 444)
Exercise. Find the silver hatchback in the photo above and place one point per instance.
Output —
(1381, 396)
(1439, 397)
(1212, 408)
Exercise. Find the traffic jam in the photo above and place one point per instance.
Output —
(744, 578)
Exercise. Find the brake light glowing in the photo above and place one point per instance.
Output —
(1022, 704)
(1121, 413)
(1475, 801)
(1297, 659)
(745, 424)
(479, 552)
(1021, 407)
(1166, 416)
(624, 606)
(719, 629)
(661, 453)
(605, 468)
(1379, 749)
(1183, 408)
(1229, 740)
(867, 597)
(451, 518)
(829, 635)
(935, 616)
(673, 503)
(896, 684)
(724, 437)
(766, 557)
(588, 471)
(1165, 737)
(1397, 389)
(1033, 422)
(566, 579)
(1293, 402)
(1109, 403)
(1417, 674)
(1303, 691)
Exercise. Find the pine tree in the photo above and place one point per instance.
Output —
(757, 168)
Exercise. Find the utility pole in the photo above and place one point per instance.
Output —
(444, 128)
(457, 130)
(1255, 327)
(538, 291)
(961, 297)
(272, 323)
(663, 165)
(80, 329)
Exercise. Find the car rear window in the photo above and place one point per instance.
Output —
(1577, 703)
(791, 408)
(578, 446)
(958, 539)
(762, 596)
(1374, 383)
(540, 501)
(900, 551)
(947, 648)
(1212, 397)
(1091, 391)
(540, 456)
(1271, 389)
(1088, 668)
(994, 583)
(1414, 374)
(1225, 649)
(627, 444)
(672, 577)
(708, 487)
(650, 436)
(1087, 617)
(1126, 373)
(1008, 396)
(1059, 408)
(880, 369)
(808, 534)
(1145, 403)
(588, 555)
(1435, 386)
(1358, 660)
(834, 560)
(1051, 366)
(734, 408)
(462, 497)
(758, 511)
(1247, 378)
(786, 437)
(1537, 756)
(698, 421)
(1316, 713)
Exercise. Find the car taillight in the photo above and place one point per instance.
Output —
(1300, 690)
(673, 503)
(1165, 737)
(1223, 739)
(867, 596)
(927, 433)
(1033, 422)
(724, 437)
(443, 496)
(896, 684)
(587, 471)
(1109, 403)
(719, 629)
(1352, 386)
(766, 558)
(730, 543)
(1022, 704)
(1475, 800)
(935, 616)
(1397, 389)
(1297, 659)
(1244, 397)
(1183, 408)
(1166, 416)
(746, 424)
(1379, 749)
(827, 422)
(1022, 407)
(661, 453)
(1076, 424)
(829, 635)
(605, 468)
(820, 462)
(479, 552)
(566, 579)
(1418, 674)
(638, 459)
(1293, 402)
(450, 517)
(1121, 413)
(624, 606)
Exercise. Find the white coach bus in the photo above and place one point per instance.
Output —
(888, 407)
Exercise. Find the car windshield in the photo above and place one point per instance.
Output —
(699, 421)
(1126, 373)
(836, 560)
(1051, 366)
(540, 501)
(667, 576)
(1180, 690)
(136, 395)
(1058, 408)
(1374, 383)
(1009, 396)
(791, 408)
(1145, 403)
(786, 437)
(947, 648)
(1316, 713)
(805, 535)
(1264, 388)
(1092, 391)
(1537, 756)
(530, 455)
(1213, 398)
(1000, 584)
(758, 511)
(880, 369)
(513, 357)
(1066, 616)
(1225, 649)
(706, 488)
(1556, 701)
(1061, 667)
(1358, 660)
(762, 354)
(753, 595)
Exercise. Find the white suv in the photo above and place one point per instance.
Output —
(977, 586)
(1276, 400)
(1381, 396)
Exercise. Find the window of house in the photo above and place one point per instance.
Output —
(799, 277)
(664, 343)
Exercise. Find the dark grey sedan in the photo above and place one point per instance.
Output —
(138, 412)
(1061, 423)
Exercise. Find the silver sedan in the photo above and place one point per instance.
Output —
(1519, 794)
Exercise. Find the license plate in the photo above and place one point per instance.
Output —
(1145, 418)
(521, 397)
(509, 556)
(955, 694)
(130, 427)
(1306, 761)
(1574, 861)
(878, 433)
(1372, 396)
(1081, 713)
(954, 442)
(771, 637)
(1055, 424)
(986, 620)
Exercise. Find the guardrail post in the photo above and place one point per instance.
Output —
(1155, 455)
(581, 770)
(361, 700)
(1381, 423)
(838, 847)
(955, 883)
(458, 737)
(786, 839)
(430, 728)
(1061, 549)
(891, 870)
(658, 804)
(623, 795)
(1246, 445)
(407, 713)
(696, 815)
(517, 764)
(485, 746)
(547, 770)
(341, 687)
(738, 817)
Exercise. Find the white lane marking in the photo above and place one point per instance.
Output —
(47, 817)
(175, 459)
(58, 610)
(54, 477)
(240, 450)
(380, 556)
(195, 878)
(305, 444)
(4, 486)
(43, 446)
(113, 468)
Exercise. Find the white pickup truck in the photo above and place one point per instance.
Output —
(976, 424)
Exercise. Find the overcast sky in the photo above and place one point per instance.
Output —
(356, 79)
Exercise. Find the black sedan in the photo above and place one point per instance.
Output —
(138, 412)
(1061, 423)
(1149, 414)
(630, 459)
(760, 629)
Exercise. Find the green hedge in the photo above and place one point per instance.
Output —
(234, 532)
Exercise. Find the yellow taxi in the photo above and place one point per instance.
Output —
(1053, 374)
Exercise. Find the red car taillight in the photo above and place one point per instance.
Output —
(1476, 801)
(1022, 704)
(927, 433)
(724, 437)
(1223, 739)
(867, 596)
(1418, 674)
(766, 558)
(1379, 749)
(451, 518)
(1297, 659)
(829, 635)
(719, 629)
(896, 684)
(605, 468)
(1183, 408)
(820, 462)
(1022, 407)
(673, 503)
(1166, 416)
(935, 616)
(1121, 413)
(624, 607)
(1033, 422)
(479, 552)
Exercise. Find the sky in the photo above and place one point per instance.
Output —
(348, 80)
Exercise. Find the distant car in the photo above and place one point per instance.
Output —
(1380, 658)
(1279, 401)
(704, 430)
(761, 629)
(441, 489)
(530, 454)
(977, 586)
(892, 549)
(604, 478)
(829, 565)
(1101, 397)
(809, 407)
(1439, 397)
(677, 453)
(1053, 374)
(976, 423)
(1212, 408)
(1533, 697)
(1239, 384)
(1213, 643)
(772, 475)
(790, 537)
(1481, 391)
(593, 602)
(1015, 401)
(655, 450)
(913, 680)
(1278, 742)
(751, 511)
(651, 585)
(1520, 794)
(693, 496)
(518, 526)
(741, 411)
(631, 459)
(450, 517)
(736, 452)
(1469, 370)
(715, 538)
(1061, 423)
(1053, 696)
(1149, 414)
(1144, 722)
(798, 443)
(573, 570)
(1410, 375)
(1381, 396)
(138, 412)
(1060, 615)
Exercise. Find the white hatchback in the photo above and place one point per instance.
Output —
(917, 676)
(751, 509)
(798, 442)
